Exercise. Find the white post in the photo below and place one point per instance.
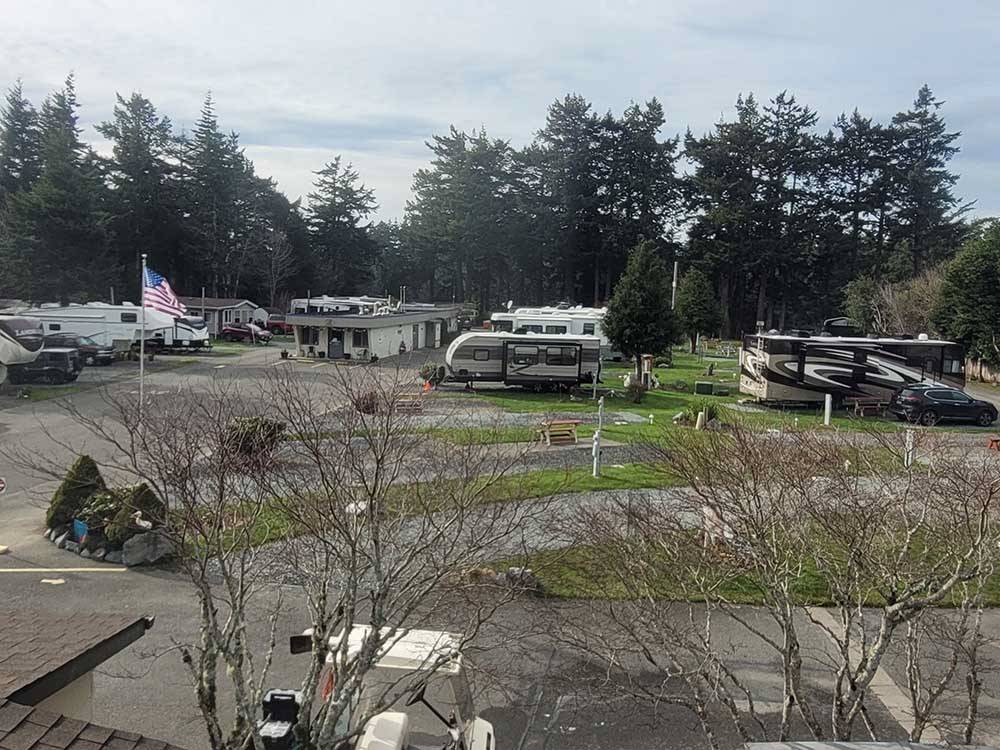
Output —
(596, 450)
(673, 288)
(593, 394)
(908, 449)
(142, 336)
(827, 409)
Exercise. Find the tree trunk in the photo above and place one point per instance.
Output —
(726, 306)
(694, 342)
(762, 298)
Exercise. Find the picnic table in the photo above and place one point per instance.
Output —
(558, 431)
(410, 403)
(994, 444)
(864, 407)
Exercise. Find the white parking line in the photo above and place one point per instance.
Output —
(102, 569)
(321, 364)
(219, 367)
(280, 362)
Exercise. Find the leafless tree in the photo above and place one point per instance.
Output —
(276, 262)
(906, 306)
(379, 526)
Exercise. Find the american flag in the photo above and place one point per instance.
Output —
(156, 293)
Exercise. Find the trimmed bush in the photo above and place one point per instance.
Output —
(253, 435)
(367, 402)
(635, 392)
(138, 498)
(82, 481)
(710, 408)
(100, 509)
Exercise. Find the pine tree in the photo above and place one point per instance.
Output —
(344, 253)
(639, 320)
(697, 308)
(20, 162)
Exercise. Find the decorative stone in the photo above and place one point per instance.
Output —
(47, 534)
(70, 545)
(85, 553)
(143, 549)
(523, 579)
(99, 553)
(62, 539)
(113, 556)
(4, 549)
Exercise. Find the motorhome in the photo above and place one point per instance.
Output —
(527, 359)
(21, 339)
(121, 326)
(575, 321)
(802, 367)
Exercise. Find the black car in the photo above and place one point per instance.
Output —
(929, 405)
(51, 366)
(91, 352)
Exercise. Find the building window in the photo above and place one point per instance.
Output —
(208, 316)
(588, 329)
(555, 329)
(360, 338)
(953, 366)
(227, 316)
(481, 355)
(560, 355)
(129, 317)
(525, 355)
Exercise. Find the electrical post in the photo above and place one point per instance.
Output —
(142, 336)
(673, 289)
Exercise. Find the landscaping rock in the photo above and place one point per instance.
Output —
(47, 534)
(143, 549)
(70, 545)
(62, 539)
(85, 553)
(523, 579)
(99, 553)
(4, 549)
(113, 556)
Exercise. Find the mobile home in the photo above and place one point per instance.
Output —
(801, 367)
(525, 359)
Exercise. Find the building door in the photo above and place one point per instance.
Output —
(416, 338)
(335, 345)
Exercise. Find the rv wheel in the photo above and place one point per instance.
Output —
(928, 418)
(89, 361)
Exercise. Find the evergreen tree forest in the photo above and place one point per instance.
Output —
(777, 215)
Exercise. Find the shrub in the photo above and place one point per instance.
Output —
(682, 386)
(432, 373)
(100, 509)
(253, 435)
(662, 361)
(138, 498)
(635, 392)
(710, 408)
(367, 402)
(81, 482)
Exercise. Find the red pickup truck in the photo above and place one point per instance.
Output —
(277, 325)
(249, 332)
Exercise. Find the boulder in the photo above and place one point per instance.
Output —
(85, 553)
(70, 545)
(143, 549)
(61, 540)
(113, 556)
(523, 579)
(99, 553)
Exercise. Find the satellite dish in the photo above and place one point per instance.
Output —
(510, 304)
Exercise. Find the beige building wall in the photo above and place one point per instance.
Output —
(75, 700)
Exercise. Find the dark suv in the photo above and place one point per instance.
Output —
(929, 405)
(91, 352)
(51, 366)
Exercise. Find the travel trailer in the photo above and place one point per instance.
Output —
(21, 339)
(525, 359)
(575, 321)
(801, 367)
(121, 326)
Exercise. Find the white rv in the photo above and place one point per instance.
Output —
(553, 321)
(21, 340)
(121, 326)
(533, 360)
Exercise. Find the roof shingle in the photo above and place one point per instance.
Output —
(24, 728)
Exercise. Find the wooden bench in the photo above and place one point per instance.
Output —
(410, 403)
(559, 431)
(994, 444)
(866, 407)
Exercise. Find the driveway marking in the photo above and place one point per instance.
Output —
(102, 569)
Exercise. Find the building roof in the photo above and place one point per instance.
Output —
(41, 653)
(392, 320)
(27, 728)
(215, 303)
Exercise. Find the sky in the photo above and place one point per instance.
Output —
(304, 81)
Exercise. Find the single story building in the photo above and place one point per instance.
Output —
(367, 327)
(49, 658)
(220, 311)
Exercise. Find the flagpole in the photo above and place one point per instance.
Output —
(142, 335)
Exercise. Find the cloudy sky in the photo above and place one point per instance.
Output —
(304, 81)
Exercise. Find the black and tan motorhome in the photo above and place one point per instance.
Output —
(525, 359)
(801, 367)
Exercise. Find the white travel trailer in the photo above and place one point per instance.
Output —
(575, 321)
(21, 340)
(121, 326)
(532, 360)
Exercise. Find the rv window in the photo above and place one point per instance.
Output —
(55, 326)
(525, 355)
(860, 356)
(360, 338)
(588, 329)
(531, 329)
(953, 366)
(560, 355)
(481, 355)
(503, 325)
(555, 329)
(129, 317)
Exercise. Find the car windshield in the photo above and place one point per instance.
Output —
(86, 341)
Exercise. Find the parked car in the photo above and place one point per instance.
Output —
(929, 405)
(277, 325)
(57, 365)
(91, 352)
(245, 332)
